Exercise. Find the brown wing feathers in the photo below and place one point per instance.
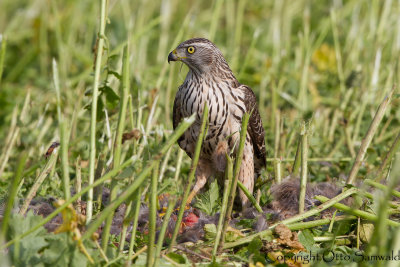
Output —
(255, 128)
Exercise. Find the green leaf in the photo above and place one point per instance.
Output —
(255, 245)
(112, 98)
(215, 264)
(210, 231)
(116, 74)
(142, 259)
(254, 251)
(209, 202)
(63, 251)
(181, 259)
(246, 223)
(306, 238)
(126, 173)
(57, 252)
(30, 245)
(231, 236)
(100, 109)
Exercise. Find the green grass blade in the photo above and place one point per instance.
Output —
(64, 136)
(356, 212)
(3, 42)
(152, 216)
(93, 118)
(134, 225)
(161, 235)
(228, 181)
(41, 177)
(13, 193)
(124, 93)
(238, 164)
(195, 161)
(249, 196)
(368, 137)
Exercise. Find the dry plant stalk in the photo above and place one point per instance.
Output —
(304, 169)
(388, 157)
(368, 137)
(42, 176)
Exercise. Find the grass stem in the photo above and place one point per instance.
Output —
(356, 212)
(3, 42)
(380, 234)
(64, 137)
(297, 159)
(134, 224)
(163, 230)
(228, 181)
(304, 169)
(195, 161)
(368, 137)
(13, 134)
(93, 118)
(152, 215)
(39, 180)
(13, 193)
(178, 164)
(124, 94)
(236, 172)
(388, 157)
(78, 184)
(249, 196)
(382, 187)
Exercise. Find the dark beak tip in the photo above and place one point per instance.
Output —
(171, 57)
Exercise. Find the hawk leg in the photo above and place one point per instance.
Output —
(219, 156)
(203, 172)
(246, 174)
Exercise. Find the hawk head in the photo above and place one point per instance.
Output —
(199, 54)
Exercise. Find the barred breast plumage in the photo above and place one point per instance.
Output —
(211, 81)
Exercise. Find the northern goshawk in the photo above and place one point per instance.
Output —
(211, 80)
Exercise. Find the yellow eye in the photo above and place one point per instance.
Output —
(191, 49)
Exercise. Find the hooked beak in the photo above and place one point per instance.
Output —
(172, 56)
